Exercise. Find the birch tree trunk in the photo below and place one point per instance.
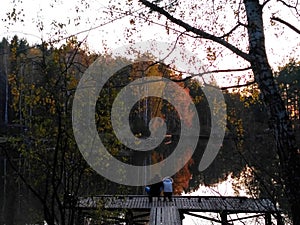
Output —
(278, 116)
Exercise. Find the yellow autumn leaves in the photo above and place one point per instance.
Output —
(30, 95)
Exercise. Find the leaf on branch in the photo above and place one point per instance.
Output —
(132, 22)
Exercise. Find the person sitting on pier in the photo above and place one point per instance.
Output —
(168, 188)
(155, 190)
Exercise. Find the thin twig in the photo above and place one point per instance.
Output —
(286, 23)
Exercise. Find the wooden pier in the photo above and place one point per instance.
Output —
(172, 213)
(164, 215)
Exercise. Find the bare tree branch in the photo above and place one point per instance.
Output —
(286, 23)
(208, 72)
(266, 2)
(200, 33)
(231, 31)
(239, 85)
(174, 47)
(290, 6)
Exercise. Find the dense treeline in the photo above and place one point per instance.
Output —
(42, 170)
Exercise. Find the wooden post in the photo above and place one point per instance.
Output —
(80, 218)
(181, 215)
(279, 219)
(268, 220)
(224, 220)
(129, 217)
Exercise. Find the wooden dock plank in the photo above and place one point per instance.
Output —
(164, 215)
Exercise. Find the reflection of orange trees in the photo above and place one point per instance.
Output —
(157, 107)
(182, 178)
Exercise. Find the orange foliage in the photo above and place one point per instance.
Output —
(182, 178)
(142, 69)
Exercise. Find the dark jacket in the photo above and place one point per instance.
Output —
(156, 188)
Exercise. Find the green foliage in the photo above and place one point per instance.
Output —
(288, 79)
(43, 80)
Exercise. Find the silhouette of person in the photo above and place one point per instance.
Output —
(155, 189)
